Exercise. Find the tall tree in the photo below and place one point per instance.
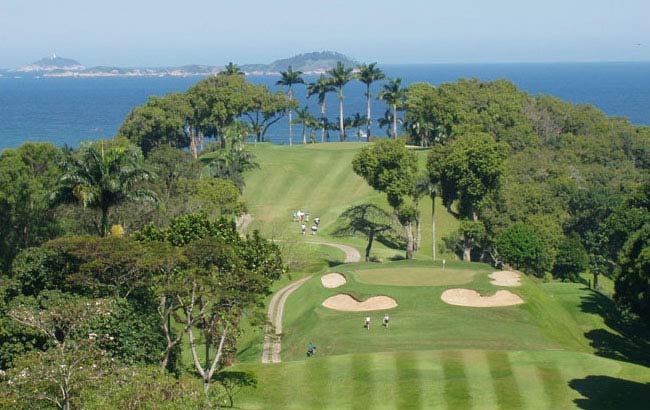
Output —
(394, 95)
(160, 121)
(469, 168)
(216, 102)
(304, 117)
(27, 173)
(101, 177)
(388, 166)
(371, 221)
(266, 109)
(232, 69)
(368, 74)
(288, 79)
(321, 87)
(340, 76)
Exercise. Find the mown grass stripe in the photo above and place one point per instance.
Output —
(528, 381)
(432, 374)
(456, 389)
(507, 391)
(363, 380)
(482, 393)
(317, 373)
(409, 393)
(556, 391)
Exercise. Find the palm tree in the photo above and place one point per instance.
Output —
(387, 121)
(321, 87)
(393, 94)
(357, 122)
(368, 74)
(231, 164)
(289, 79)
(232, 69)
(100, 179)
(340, 75)
(303, 116)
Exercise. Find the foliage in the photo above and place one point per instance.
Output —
(102, 177)
(389, 167)
(468, 169)
(521, 246)
(233, 382)
(27, 174)
(231, 165)
(144, 388)
(73, 361)
(632, 286)
(572, 259)
(266, 109)
(162, 121)
(393, 94)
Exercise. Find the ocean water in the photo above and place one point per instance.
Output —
(70, 110)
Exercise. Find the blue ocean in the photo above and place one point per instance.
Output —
(70, 110)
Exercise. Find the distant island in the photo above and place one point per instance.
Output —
(56, 66)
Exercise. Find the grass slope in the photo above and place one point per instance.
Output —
(319, 179)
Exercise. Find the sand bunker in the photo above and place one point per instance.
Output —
(505, 278)
(347, 303)
(471, 298)
(333, 280)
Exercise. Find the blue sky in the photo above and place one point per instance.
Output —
(162, 32)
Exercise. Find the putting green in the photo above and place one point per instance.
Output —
(415, 276)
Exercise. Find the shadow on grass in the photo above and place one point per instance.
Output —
(631, 344)
(604, 392)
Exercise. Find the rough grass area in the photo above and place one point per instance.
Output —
(415, 276)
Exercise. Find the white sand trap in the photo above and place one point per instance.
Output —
(471, 298)
(505, 278)
(347, 303)
(333, 280)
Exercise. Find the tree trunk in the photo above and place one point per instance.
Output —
(368, 118)
(304, 134)
(371, 236)
(433, 224)
(194, 148)
(418, 230)
(467, 250)
(323, 119)
(290, 129)
(596, 285)
(394, 120)
(341, 124)
(104, 223)
(409, 241)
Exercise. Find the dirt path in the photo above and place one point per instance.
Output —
(351, 254)
(272, 341)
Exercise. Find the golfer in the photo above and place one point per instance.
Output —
(367, 323)
(386, 319)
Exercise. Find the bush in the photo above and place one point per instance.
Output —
(521, 246)
(571, 259)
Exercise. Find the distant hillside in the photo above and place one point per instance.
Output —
(306, 62)
(52, 63)
(55, 66)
